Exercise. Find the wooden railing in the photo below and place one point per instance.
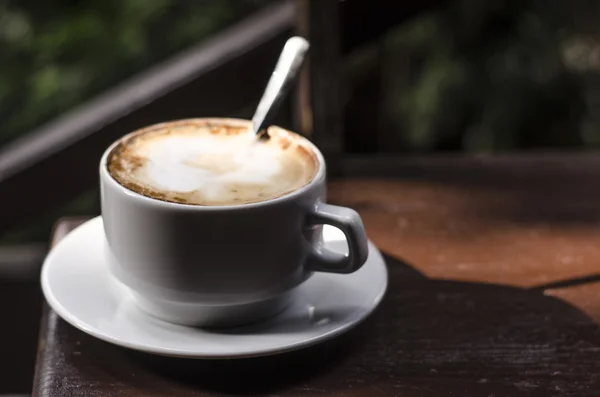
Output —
(223, 76)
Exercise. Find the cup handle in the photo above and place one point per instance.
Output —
(349, 222)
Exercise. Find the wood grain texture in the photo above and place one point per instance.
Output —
(494, 291)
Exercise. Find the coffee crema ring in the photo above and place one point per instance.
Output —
(212, 162)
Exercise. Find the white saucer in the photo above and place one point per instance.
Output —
(78, 286)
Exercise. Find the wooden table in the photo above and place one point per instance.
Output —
(494, 291)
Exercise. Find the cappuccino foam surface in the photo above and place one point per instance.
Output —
(211, 164)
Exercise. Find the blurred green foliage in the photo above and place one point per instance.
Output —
(56, 53)
(489, 76)
(468, 75)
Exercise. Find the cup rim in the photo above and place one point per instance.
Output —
(108, 178)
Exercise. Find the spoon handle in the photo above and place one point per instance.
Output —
(281, 81)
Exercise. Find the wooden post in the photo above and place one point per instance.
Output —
(319, 111)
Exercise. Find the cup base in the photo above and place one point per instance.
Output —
(213, 316)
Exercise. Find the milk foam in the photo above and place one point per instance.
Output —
(190, 164)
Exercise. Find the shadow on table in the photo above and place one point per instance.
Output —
(428, 338)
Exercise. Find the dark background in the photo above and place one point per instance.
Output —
(459, 76)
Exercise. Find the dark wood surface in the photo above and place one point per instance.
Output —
(494, 291)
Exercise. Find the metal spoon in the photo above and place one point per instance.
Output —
(284, 74)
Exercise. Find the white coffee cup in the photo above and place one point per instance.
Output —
(223, 265)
